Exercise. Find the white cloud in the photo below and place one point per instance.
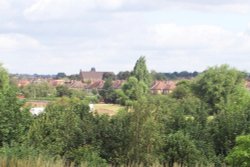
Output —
(67, 9)
(4, 8)
(204, 37)
(112, 34)
(43, 10)
(14, 42)
(4, 4)
(198, 46)
(235, 6)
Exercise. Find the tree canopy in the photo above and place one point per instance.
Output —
(141, 72)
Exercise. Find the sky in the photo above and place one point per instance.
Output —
(51, 36)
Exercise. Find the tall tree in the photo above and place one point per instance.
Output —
(141, 72)
(113, 132)
(123, 75)
(4, 79)
(108, 92)
(60, 75)
(133, 90)
(145, 134)
(14, 122)
(220, 87)
(109, 75)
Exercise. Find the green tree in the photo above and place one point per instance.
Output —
(113, 134)
(183, 90)
(157, 76)
(180, 149)
(225, 127)
(240, 154)
(219, 87)
(75, 93)
(36, 90)
(108, 92)
(14, 122)
(63, 90)
(123, 75)
(134, 90)
(60, 75)
(141, 72)
(4, 79)
(146, 138)
(65, 126)
(109, 75)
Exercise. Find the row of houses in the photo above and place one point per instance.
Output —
(158, 87)
(94, 80)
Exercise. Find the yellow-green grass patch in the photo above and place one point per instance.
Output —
(109, 109)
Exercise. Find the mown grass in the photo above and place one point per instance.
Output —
(110, 109)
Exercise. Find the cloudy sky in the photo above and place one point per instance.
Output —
(50, 36)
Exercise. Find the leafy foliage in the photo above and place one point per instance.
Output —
(218, 85)
(108, 92)
(198, 124)
(240, 154)
(14, 122)
(36, 90)
(140, 71)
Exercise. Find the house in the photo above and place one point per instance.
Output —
(96, 85)
(162, 87)
(23, 83)
(247, 84)
(117, 84)
(57, 82)
(76, 85)
(92, 75)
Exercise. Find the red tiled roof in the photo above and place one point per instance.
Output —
(163, 85)
(56, 82)
(76, 85)
(22, 83)
(95, 85)
(117, 84)
(247, 84)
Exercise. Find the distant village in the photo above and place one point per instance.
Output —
(94, 80)
(89, 81)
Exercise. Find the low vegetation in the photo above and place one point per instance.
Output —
(203, 122)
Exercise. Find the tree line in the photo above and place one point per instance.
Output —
(203, 122)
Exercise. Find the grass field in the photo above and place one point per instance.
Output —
(109, 109)
(35, 162)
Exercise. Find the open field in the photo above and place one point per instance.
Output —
(109, 109)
